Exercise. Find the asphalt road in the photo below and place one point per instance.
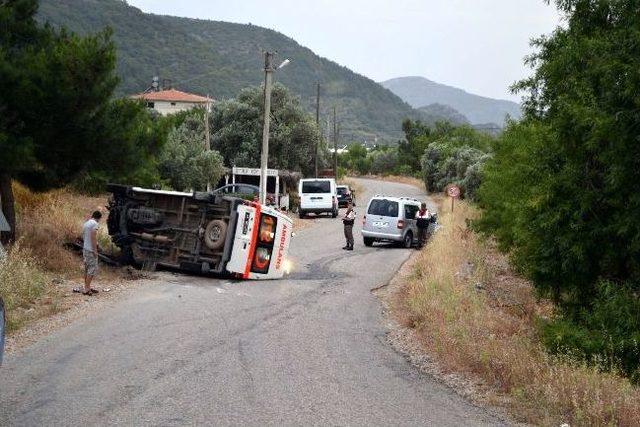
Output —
(310, 349)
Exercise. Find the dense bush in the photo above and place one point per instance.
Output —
(606, 332)
(559, 191)
(384, 162)
(456, 156)
(357, 159)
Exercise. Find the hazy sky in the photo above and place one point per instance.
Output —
(477, 45)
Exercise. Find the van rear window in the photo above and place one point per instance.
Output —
(383, 207)
(316, 187)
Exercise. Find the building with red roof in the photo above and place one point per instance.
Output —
(172, 101)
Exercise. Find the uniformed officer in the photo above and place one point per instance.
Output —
(348, 220)
(423, 218)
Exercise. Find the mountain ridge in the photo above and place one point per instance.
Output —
(419, 91)
(220, 58)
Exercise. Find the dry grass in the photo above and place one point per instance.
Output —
(38, 262)
(398, 178)
(353, 184)
(46, 221)
(24, 287)
(476, 317)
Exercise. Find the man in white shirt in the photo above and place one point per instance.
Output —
(90, 252)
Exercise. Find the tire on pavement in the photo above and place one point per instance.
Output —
(408, 240)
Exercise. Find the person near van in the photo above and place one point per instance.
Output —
(423, 217)
(90, 253)
(348, 220)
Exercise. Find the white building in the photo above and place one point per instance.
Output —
(172, 101)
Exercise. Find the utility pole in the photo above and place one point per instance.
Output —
(264, 160)
(315, 156)
(207, 137)
(335, 144)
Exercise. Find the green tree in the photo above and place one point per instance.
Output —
(236, 127)
(411, 149)
(584, 214)
(355, 159)
(383, 162)
(55, 89)
(131, 139)
(446, 154)
(185, 162)
(560, 190)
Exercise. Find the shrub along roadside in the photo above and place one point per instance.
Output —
(22, 281)
(475, 316)
(559, 193)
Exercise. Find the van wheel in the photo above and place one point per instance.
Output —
(368, 241)
(215, 233)
(408, 240)
(301, 214)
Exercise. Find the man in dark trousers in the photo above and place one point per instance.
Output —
(348, 220)
(423, 218)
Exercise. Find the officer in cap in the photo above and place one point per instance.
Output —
(348, 220)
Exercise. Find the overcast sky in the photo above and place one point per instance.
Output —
(477, 45)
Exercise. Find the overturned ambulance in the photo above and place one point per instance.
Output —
(198, 232)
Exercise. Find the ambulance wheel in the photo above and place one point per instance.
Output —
(301, 214)
(368, 241)
(215, 233)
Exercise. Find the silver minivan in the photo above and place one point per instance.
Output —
(391, 219)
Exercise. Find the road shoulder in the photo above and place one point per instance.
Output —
(406, 342)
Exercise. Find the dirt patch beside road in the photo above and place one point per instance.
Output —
(59, 306)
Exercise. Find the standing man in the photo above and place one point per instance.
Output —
(423, 218)
(348, 220)
(90, 253)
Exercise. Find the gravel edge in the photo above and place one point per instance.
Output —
(406, 342)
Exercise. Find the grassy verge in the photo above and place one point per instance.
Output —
(48, 220)
(478, 318)
(36, 266)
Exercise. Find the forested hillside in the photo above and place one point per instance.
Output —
(221, 58)
(418, 92)
(437, 112)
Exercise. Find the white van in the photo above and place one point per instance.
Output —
(318, 195)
